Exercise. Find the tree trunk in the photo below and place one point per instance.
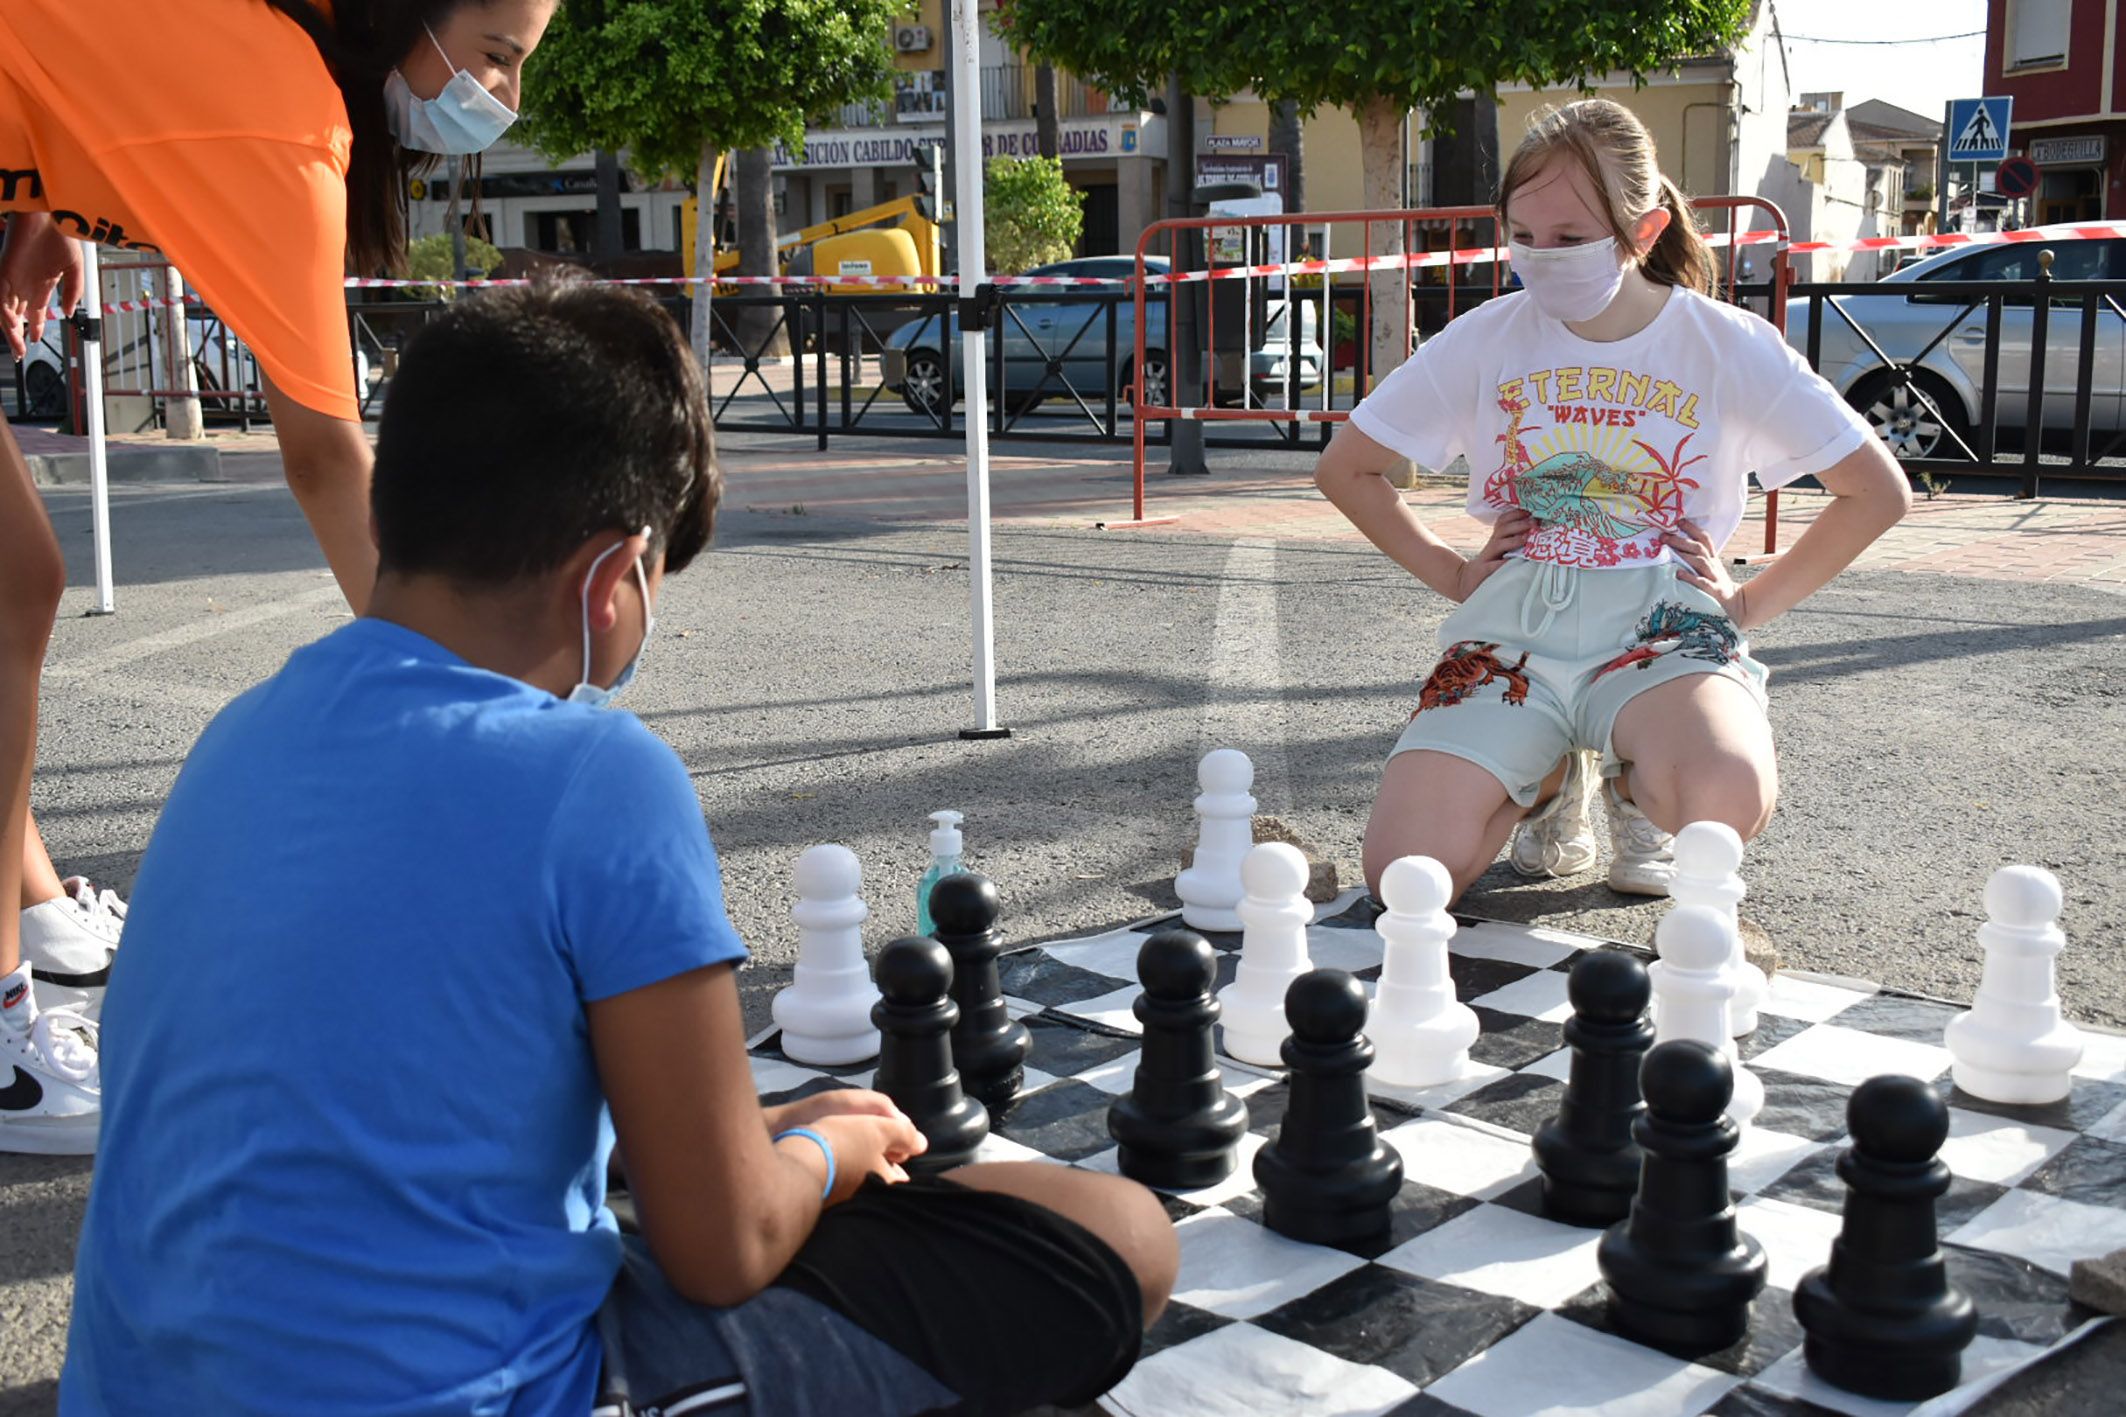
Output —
(1287, 138)
(754, 191)
(704, 253)
(1380, 153)
(1047, 120)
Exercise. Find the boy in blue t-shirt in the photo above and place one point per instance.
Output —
(421, 929)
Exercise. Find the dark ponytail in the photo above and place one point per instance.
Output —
(1680, 255)
(361, 43)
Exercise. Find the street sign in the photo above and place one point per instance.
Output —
(1978, 129)
(2063, 152)
(2016, 177)
(1232, 143)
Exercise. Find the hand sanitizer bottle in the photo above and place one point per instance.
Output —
(944, 861)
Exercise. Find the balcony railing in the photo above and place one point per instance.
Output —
(1007, 94)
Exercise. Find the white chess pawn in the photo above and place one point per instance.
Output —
(825, 1012)
(1421, 1033)
(1694, 991)
(2012, 1045)
(1210, 887)
(1274, 912)
(1709, 872)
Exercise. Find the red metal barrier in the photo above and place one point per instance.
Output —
(1728, 216)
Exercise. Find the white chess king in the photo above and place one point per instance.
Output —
(2012, 1045)
(1210, 887)
(1421, 1033)
(825, 1012)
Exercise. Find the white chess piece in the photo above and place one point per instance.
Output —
(1210, 888)
(1694, 991)
(1709, 872)
(1421, 1033)
(2012, 1045)
(1275, 913)
(825, 1011)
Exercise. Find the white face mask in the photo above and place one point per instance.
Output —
(596, 695)
(463, 119)
(1570, 283)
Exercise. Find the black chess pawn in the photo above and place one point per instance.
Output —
(1589, 1162)
(1180, 1129)
(1328, 1179)
(1881, 1318)
(1681, 1274)
(988, 1045)
(915, 1018)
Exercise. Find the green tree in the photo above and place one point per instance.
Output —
(429, 258)
(675, 82)
(1379, 61)
(1031, 213)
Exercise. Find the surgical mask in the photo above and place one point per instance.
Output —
(586, 692)
(463, 119)
(1570, 283)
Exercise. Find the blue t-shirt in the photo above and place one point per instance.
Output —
(353, 1151)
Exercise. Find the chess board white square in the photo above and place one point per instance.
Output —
(2103, 1056)
(1515, 944)
(1116, 1010)
(1996, 1149)
(1115, 1076)
(1243, 1371)
(1762, 1156)
(1555, 1366)
(997, 1148)
(2112, 1126)
(776, 1075)
(1987, 1357)
(1796, 1238)
(1553, 1065)
(1240, 1183)
(1460, 1159)
(1501, 1251)
(2050, 1231)
(1243, 1270)
(1472, 1076)
(1539, 995)
(1810, 1000)
(1348, 950)
(1113, 954)
(1851, 1056)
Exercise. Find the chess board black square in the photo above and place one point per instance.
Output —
(1514, 1041)
(2086, 1170)
(1036, 975)
(1475, 977)
(1771, 1031)
(1419, 1329)
(1063, 1049)
(1773, 1332)
(1814, 1182)
(1802, 1106)
(811, 1087)
(2089, 1102)
(1519, 1102)
(2015, 1298)
(1066, 1120)
(1178, 1324)
(1416, 1209)
(1896, 1016)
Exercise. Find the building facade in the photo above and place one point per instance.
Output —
(2064, 64)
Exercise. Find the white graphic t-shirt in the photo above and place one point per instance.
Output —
(1611, 444)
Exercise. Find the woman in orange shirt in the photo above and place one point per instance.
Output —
(263, 147)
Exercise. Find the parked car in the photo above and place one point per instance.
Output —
(913, 361)
(1903, 315)
(43, 383)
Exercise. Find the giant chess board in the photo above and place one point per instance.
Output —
(1475, 1302)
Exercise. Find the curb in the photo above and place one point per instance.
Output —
(179, 462)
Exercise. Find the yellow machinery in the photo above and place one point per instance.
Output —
(896, 238)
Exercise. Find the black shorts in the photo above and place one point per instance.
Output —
(1000, 1304)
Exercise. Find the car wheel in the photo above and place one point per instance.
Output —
(1901, 419)
(1154, 378)
(44, 389)
(923, 383)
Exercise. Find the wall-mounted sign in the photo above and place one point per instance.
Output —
(2063, 152)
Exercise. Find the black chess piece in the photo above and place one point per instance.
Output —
(1881, 1318)
(988, 1045)
(1681, 1275)
(1589, 1162)
(1328, 1179)
(915, 1019)
(1180, 1129)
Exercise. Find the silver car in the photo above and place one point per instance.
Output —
(1903, 316)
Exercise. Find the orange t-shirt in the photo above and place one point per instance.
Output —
(210, 132)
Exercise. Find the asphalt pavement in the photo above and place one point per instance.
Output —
(813, 674)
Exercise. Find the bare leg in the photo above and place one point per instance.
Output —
(1437, 805)
(32, 578)
(40, 878)
(1124, 1215)
(1698, 749)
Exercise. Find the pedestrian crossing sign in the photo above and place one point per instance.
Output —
(1978, 129)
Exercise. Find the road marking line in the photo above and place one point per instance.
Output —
(1244, 704)
(126, 652)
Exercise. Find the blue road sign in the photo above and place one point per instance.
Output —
(1978, 129)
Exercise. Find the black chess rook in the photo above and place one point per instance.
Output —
(1590, 1163)
(1178, 1127)
(914, 1018)
(1328, 1179)
(1681, 1274)
(1881, 1318)
(989, 1046)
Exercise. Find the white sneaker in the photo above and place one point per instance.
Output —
(1642, 857)
(51, 1099)
(1558, 839)
(70, 941)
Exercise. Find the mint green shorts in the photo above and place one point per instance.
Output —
(1540, 660)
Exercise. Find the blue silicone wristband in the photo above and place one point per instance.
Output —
(824, 1150)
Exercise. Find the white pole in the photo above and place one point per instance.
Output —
(99, 463)
(967, 204)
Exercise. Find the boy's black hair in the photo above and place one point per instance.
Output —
(524, 421)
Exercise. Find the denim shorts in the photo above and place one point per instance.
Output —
(1542, 657)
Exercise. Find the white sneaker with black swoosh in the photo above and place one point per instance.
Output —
(51, 1089)
(70, 941)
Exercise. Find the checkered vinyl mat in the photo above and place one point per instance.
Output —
(1475, 1302)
